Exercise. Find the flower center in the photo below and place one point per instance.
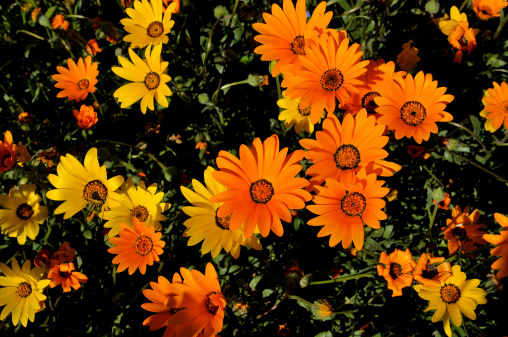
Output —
(430, 271)
(209, 303)
(143, 245)
(485, 10)
(332, 79)
(450, 293)
(65, 274)
(222, 221)
(503, 108)
(155, 29)
(24, 211)
(304, 112)
(413, 113)
(347, 157)
(140, 212)
(24, 289)
(298, 45)
(261, 191)
(368, 101)
(95, 191)
(83, 84)
(459, 233)
(6, 160)
(395, 270)
(152, 80)
(353, 204)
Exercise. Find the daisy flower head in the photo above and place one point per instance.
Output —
(147, 23)
(148, 79)
(378, 74)
(344, 149)
(205, 225)
(7, 152)
(200, 301)
(137, 247)
(293, 114)
(463, 228)
(496, 107)
(159, 295)
(488, 9)
(330, 69)
(286, 32)
(77, 80)
(262, 186)
(141, 202)
(396, 268)
(66, 275)
(344, 206)
(21, 291)
(501, 241)
(23, 213)
(412, 106)
(428, 274)
(453, 297)
(80, 186)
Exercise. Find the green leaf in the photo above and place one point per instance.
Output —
(87, 234)
(477, 125)
(480, 159)
(448, 156)
(267, 292)
(324, 334)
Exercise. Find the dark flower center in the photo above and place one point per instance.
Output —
(83, 84)
(222, 221)
(298, 45)
(332, 79)
(304, 112)
(430, 271)
(459, 233)
(261, 191)
(209, 304)
(143, 245)
(24, 211)
(413, 113)
(152, 80)
(95, 191)
(368, 101)
(450, 293)
(347, 157)
(155, 29)
(353, 204)
(395, 270)
(24, 289)
(140, 212)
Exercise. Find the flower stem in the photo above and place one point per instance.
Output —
(431, 223)
(343, 278)
(433, 176)
(151, 156)
(471, 133)
(463, 5)
(481, 168)
(500, 28)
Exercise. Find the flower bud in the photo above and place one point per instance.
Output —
(438, 194)
(86, 117)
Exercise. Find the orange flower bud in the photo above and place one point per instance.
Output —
(93, 47)
(59, 21)
(86, 117)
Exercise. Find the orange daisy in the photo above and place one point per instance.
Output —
(501, 241)
(136, 248)
(286, 32)
(429, 275)
(262, 186)
(488, 9)
(159, 295)
(396, 269)
(412, 106)
(78, 80)
(7, 152)
(200, 301)
(344, 149)
(378, 74)
(66, 275)
(329, 70)
(344, 206)
(462, 39)
(496, 107)
(462, 228)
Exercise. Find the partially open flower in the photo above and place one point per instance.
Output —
(59, 21)
(66, 275)
(428, 274)
(396, 269)
(86, 117)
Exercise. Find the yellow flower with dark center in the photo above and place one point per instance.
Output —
(205, 225)
(21, 291)
(143, 203)
(79, 186)
(295, 115)
(496, 107)
(453, 297)
(148, 77)
(23, 214)
(147, 23)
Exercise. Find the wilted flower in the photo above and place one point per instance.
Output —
(408, 58)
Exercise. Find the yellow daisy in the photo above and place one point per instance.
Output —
(23, 214)
(205, 225)
(147, 23)
(148, 77)
(21, 291)
(293, 114)
(80, 185)
(453, 297)
(139, 202)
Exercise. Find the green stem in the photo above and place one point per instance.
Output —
(98, 104)
(481, 168)
(463, 5)
(464, 325)
(471, 133)
(501, 26)
(234, 12)
(151, 156)
(299, 299)
(431, 223)
(433, 176)
(343, 278)
(31, 34)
